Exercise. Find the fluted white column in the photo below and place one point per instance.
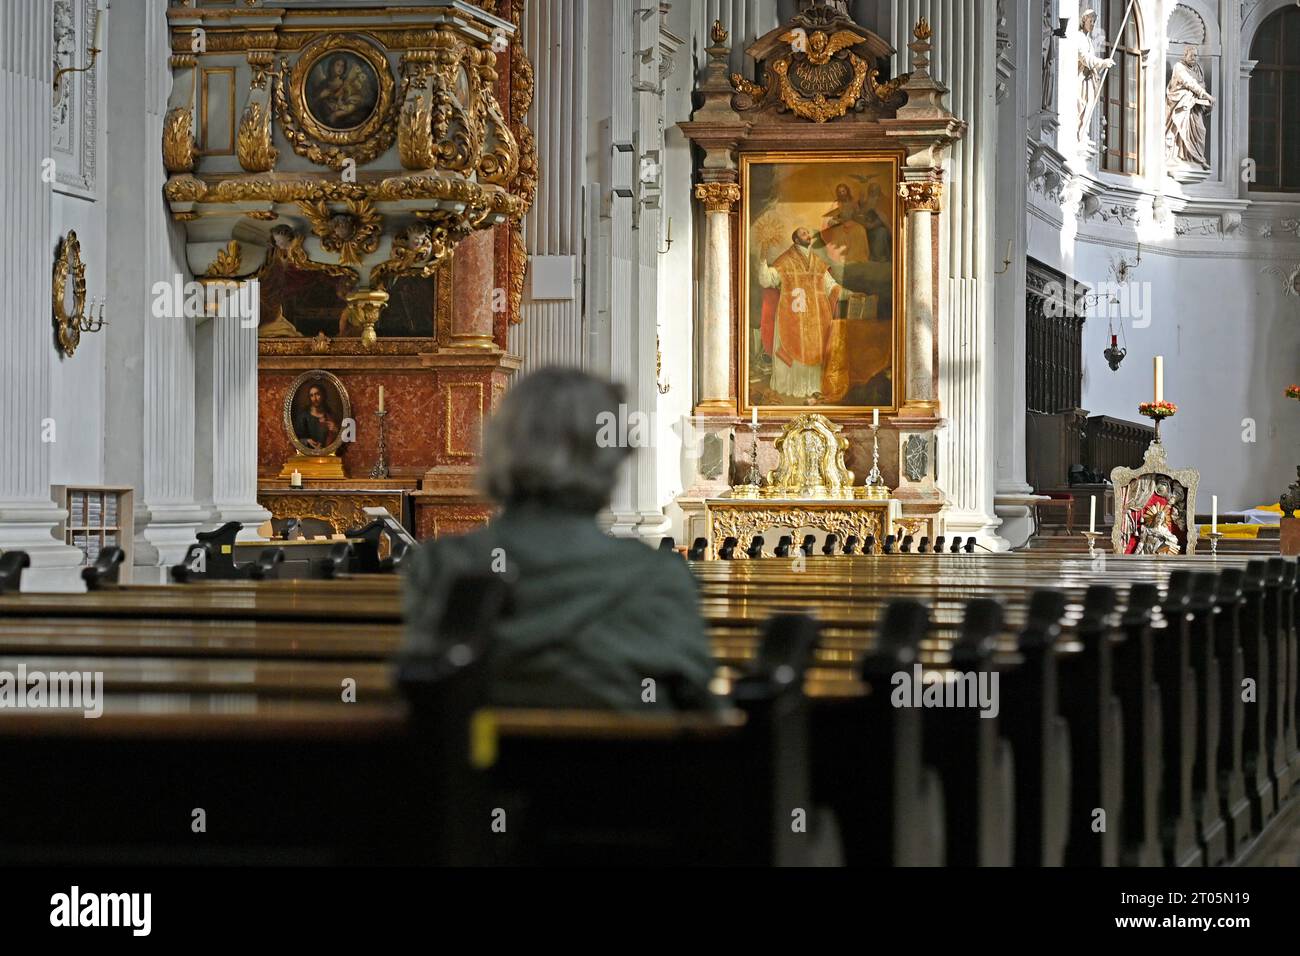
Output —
(27, 514)
(556, 36)
(150, 407)
(965, 61)
(920, 299)
(234, 424)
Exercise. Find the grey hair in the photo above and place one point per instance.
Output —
(542, 445)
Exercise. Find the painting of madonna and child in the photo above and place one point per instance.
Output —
(822, 272)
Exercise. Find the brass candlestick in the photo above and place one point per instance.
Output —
(874, 486)
(1214, 537)
(381, 466)
(1092, 537)
(753, 481)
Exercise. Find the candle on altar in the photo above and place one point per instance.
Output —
(381, 398)
(1092, 513)
(754, 417)
(1214, 513)
(875, 418)
(1160, 378)
(295, 480)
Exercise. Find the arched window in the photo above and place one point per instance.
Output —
(1274, 103)
(1121, 120)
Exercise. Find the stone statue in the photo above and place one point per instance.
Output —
(1092, 71)
(1186, 104)
(1049, 55)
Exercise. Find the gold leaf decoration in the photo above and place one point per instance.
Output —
(178, 141)
(226, 264)
(254, 143)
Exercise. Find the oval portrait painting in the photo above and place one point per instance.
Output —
(316, 409)
(342, 90)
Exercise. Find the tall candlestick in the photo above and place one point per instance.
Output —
(1160, 378)
(753, 421)
(1214, 512)
(875, 418)
(1092, 513)
(381, 398)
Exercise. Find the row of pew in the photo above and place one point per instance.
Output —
(1121, 735)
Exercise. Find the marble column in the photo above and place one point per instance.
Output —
(715, 302)
(921, 202)
(234, 425)
(28, 516)
(472, 291)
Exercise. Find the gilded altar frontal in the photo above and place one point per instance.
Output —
(821, 272)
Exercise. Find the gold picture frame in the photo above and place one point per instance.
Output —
(1155, 506)
(303, 427)
(358, 57)
(859, 217)
(68, 265)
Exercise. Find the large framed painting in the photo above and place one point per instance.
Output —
(821, 273)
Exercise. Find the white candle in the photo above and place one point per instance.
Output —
(381, 398)
(754, 418)
(1160, 378)
(295, 480)
(99, 29)
(875, 418)
(1092, 513)
(1214, 513)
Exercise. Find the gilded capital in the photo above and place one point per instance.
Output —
(921, 197)
(718, 197)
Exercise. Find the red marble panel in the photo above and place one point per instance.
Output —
(412, 428)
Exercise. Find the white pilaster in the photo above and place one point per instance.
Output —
(965, 60)
(234, 424)
(28, 516)
(150, 417)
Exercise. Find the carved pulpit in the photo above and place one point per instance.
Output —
(369, 166)
(820, 181)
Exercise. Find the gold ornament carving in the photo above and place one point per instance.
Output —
(518, 267)
(418, 250)
(718, 197)
(254, 142)
(811, 461)
(921, 197)
(414, 138)
(350, 235)
(363, 311)
(718, 33)
(68, 265)
(341, 512)
(178, 141)
(226, 264)
(818, 78)
(742, 523)
(287, 248)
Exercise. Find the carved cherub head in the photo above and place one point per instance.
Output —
(282, 236)
(343, 226)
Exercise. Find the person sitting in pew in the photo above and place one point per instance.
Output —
(592, 617)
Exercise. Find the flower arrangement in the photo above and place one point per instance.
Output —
(1293, 391)
(1157, 410)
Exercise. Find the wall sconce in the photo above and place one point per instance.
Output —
(92, 51)
(668, 248)
(71, 316)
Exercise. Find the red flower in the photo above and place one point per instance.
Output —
(1159, 409)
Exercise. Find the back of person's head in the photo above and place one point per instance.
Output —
(547, 444)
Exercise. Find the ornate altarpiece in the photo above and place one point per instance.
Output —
(363, 146)
(819, 91)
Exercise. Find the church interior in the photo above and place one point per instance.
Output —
(622, 432)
